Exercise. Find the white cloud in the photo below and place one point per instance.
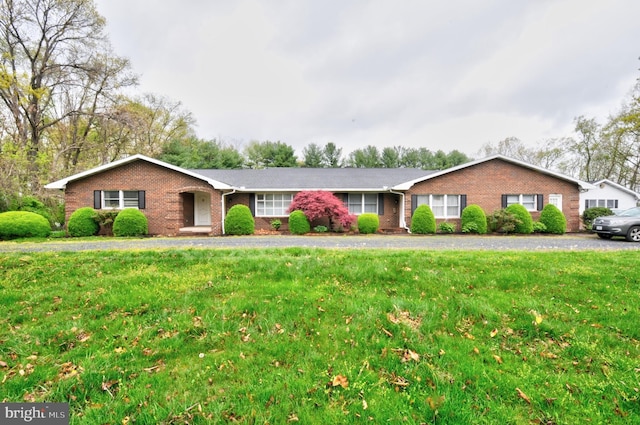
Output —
(445, 75)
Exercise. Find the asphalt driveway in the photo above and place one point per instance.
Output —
(569, 242)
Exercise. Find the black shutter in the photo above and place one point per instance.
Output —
(615, 204)
(463, 203)
(252, 204)
(540, 202)
(504, 201)
(380, 203)
(586, 204)
(97, 199)
(142, 201)
(414, 203)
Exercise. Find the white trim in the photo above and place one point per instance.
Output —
(617, 186)
(407, 185)
(62, 184)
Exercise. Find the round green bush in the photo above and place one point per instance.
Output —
(299, 223)
(525, 225)
(23, 224)
(423, 221)
(82, 222)
(130, 222)
(592, 213)
(473, 220)
(368, 223)
(553, 219)
(239, 221)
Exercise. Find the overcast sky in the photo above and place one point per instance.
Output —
(452, 74)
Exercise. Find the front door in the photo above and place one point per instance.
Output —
(187, 209)
(202, 209)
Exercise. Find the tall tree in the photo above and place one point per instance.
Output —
(270, 154)
(368, 157)
(194, 153)
(390, 157)
(51, 49)
(331, 155)
(313, 156)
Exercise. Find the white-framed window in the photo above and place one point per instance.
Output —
(606, 203)
(527, 201)
(555, 199)
(443, 206)
(359, 203)
(121, 199)
(273, 204)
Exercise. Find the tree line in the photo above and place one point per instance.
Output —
(596, 151)
(66, 105)
(195, 153)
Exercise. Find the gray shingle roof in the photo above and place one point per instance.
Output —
(332, 179)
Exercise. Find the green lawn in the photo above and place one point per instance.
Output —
(324, 336)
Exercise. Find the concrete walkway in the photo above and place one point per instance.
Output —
(569, 242)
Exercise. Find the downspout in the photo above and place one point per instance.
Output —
(224, 209)
(402, 222)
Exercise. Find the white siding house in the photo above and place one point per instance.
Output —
(608, 194)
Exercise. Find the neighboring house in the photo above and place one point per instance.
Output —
(176, 200)
(610, 195)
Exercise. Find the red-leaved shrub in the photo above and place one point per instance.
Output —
(318, 204)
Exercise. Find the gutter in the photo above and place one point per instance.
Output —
(402, 222)
(223, 204)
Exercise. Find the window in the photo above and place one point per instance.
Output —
(118, 199)
(273, 204)
(443, 206)
(359, 203)
(556, 200)
(530, 202)
(607, 203)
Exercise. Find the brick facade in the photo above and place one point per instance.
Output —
(486, 182)
(483, 183)
(162, 187)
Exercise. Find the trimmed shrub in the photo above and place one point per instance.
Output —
(368, 223)
(82, 222)
(591, 214)
(539, 227)
(553, 219)
(423, 221)
(502, 221)
(299, 223)
(446, 227)
(473, 220)
(526, 222)
(239, 221)
(31, 204)
(23, 224)
(130, 222)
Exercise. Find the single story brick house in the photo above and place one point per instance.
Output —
(177, 200)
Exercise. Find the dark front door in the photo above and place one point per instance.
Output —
(187, 209)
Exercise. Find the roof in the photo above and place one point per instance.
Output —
(332, 179)
(582, 184)
(617, 186)
(296, 179)
(61, 184)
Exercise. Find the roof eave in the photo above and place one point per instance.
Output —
(62, 184)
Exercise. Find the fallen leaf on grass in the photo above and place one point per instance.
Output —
(523, 395)
(498, 359)
(493, 333)
(435, 402)
(68, 369)
(340, 380)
